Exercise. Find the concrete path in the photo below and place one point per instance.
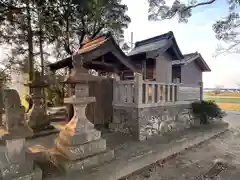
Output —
(217, 159)
(132, 156)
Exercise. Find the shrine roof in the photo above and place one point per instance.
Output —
(94, 51)
(164, 43)
(193, 57)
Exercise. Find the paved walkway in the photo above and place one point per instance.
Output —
(132, 156)
(202, 162)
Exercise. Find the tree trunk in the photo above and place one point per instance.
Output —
(30, 45)
(41, 56)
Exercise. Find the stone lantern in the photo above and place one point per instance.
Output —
(80, 77)
(79, 142)
(37, 117)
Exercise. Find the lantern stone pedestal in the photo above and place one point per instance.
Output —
(37, 118)
(15, 162)
(79, 143)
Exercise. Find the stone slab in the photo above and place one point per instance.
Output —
(12, 170)
(79, 165)
(45, 132)
(21, 132)
(122, 165)
(36, 174)
(71, 138)
(15, 151)
(80, 151)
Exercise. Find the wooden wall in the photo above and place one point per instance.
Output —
(101, 111)
(189, 92)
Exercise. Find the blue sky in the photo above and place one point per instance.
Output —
(196, 35)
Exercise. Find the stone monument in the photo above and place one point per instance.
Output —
(79, 142)
(14, 161)
(37, 117)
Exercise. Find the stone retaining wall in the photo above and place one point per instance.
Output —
(145, 122)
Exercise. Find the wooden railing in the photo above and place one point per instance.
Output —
(140, 92)
(124, 92)
(154, 92)
(143, 92)
(127, 92)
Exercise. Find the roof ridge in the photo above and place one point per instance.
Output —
(106, 35)
(167, 35)
(190, 53)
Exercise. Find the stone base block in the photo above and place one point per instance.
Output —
(44, 132)
(21, 132)
(80, 151)
(72, 138)
(12, 170)
(36, 174)
(78, 165)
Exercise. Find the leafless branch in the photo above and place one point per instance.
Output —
(199, 4)
(227, 50)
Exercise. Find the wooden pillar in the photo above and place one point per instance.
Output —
(201, 90)
(144, 69)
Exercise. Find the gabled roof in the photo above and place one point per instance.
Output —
(93, 50)
(193, 57)
(163, 43)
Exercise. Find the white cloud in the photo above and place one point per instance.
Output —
(197, 35)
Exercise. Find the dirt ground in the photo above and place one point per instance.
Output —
(217, 159)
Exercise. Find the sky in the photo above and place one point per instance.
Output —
(196, 35)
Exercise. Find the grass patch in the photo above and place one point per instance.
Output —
(226, 101)
(232, 94)
(229, 106)
(218, 99)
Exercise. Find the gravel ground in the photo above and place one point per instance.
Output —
(217, 159)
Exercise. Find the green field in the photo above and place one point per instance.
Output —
(223, 99)
(226, 101)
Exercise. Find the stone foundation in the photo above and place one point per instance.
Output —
(125, 120)
(143, 123)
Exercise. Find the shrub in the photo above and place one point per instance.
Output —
(207, 111)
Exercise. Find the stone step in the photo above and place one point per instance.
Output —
(74, 138)
(36, 174)
(66, 165)
(83, 150)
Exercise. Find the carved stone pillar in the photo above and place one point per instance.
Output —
(14, 163)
